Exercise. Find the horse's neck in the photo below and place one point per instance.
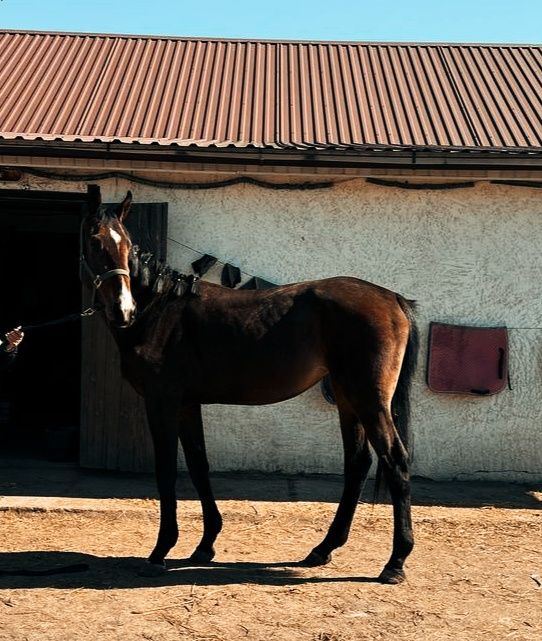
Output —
(157, 317)
(147, 337)
(143, 296)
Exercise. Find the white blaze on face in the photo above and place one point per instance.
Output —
(115, 236)
(126, 301)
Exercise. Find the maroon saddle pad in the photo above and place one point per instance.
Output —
(467, 360)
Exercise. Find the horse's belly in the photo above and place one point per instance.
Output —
(263, 381)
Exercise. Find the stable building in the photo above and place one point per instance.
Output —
(414, 166)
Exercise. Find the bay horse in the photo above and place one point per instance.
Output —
(185, 343)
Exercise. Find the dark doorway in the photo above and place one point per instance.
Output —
(39, 282)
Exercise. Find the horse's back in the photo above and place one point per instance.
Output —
(297, 307)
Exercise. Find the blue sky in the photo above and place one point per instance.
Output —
(513, 21)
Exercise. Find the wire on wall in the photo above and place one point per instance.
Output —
(535, 184)
(247, 180)
(214, 184)
(408, 185)
(218, 262)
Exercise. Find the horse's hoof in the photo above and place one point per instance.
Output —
(152, 569)
(392, 577)
(201, 556)
(314, 559)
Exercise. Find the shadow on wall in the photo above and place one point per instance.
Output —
(28, 478)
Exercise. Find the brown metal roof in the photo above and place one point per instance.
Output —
(263, 94)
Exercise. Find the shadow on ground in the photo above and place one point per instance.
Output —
(101, 573)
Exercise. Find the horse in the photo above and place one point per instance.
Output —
(185, 343)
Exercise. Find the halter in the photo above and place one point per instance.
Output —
(95, 279)
(98, 279)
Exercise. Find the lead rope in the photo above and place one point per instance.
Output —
(64, 319)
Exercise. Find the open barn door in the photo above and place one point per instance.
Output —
(114, 433)
(40, 395)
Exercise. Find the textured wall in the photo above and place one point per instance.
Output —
(469, 256)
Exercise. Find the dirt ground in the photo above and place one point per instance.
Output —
(475, 573)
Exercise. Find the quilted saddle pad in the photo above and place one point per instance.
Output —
(467, 360)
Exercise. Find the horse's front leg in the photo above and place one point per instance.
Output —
(163, 423)
(193, 442)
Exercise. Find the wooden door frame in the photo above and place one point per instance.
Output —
(114, 432)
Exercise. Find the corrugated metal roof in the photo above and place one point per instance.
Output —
(299, 95)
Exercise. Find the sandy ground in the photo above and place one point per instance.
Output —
(475, 573)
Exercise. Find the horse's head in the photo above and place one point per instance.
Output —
(105, 250)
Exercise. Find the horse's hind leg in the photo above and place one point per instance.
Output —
(357, 461)
(393, 458)
(193, 443)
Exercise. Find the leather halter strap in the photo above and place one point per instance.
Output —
(98, 279)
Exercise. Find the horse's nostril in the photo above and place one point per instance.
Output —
(124, 317)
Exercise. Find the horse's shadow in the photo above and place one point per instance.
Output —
(65, 570)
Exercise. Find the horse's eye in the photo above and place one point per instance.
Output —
(95, 242)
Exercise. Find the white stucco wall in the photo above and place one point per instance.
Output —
(468, 256)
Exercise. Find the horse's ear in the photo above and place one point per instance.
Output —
(94, 198)
(124, 207)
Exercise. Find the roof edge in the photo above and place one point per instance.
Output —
(382, 43)
(443, 158)
(309, 149)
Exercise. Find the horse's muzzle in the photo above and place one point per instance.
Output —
(121, 318)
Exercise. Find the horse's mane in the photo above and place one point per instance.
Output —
(156, 275)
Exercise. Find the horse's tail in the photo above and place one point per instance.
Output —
(400, 404)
